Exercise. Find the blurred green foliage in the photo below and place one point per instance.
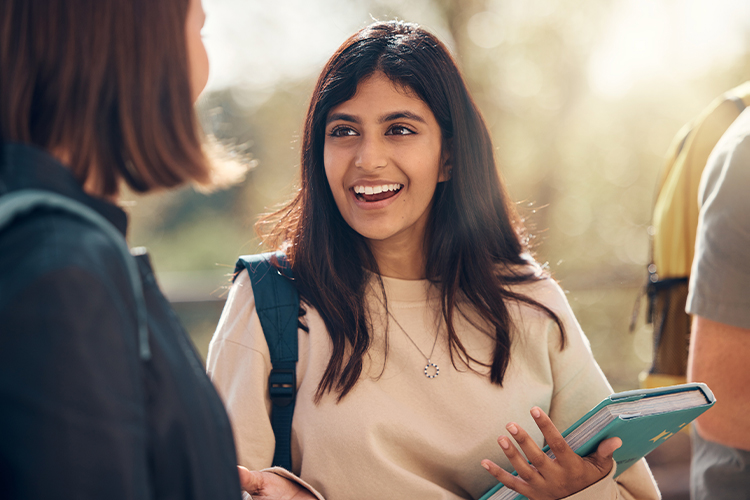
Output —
(581, 163)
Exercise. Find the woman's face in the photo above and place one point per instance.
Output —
(383, 160)
(197, 56)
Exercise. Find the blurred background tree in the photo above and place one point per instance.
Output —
(582, 97)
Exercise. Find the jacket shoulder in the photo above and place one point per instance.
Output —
(45, 242)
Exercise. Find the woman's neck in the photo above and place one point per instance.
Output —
(402, 260)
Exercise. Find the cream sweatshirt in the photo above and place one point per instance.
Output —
(399, 434)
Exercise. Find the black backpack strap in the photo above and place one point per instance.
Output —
(18, 203)
(277, 305)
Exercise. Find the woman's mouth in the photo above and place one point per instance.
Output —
(376, 193)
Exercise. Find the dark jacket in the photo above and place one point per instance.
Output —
(81, 415)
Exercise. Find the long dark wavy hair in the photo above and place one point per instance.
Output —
(474, 240)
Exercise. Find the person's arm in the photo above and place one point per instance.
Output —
(579, 386)
(72, 412)
(719, 355)
(238, 364)
(719, 297)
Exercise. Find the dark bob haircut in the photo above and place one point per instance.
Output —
(474, 245)
(106, 83)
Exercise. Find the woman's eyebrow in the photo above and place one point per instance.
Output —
(398, 115)
(395, 115)
(342, 116)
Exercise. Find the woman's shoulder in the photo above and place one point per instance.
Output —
(47, 243)
(543, 290)
(533, 281)
(56, 268)
(239, 323)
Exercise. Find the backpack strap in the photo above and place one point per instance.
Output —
(19, 203)
(277, 305)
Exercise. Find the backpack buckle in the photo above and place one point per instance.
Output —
(282, 384)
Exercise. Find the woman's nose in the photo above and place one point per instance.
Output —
(371, 154)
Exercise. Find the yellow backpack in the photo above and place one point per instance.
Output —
(674, 225)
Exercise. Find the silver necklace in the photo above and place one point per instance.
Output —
(431, 370)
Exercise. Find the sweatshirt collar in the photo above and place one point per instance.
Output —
(399, 290)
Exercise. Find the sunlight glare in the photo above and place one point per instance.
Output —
(648, 40)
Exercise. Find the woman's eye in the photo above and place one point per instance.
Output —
(399, 130)
(342, 132)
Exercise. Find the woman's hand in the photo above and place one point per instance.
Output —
(545, 478)
(270, 486)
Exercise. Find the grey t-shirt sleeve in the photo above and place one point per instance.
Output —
(720, 276)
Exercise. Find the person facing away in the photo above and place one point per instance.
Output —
(94, 94)
(425, 325)
(719, 301)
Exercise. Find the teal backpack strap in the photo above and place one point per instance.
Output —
(277, 305)
(18, 203)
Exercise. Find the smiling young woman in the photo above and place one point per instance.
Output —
(425, 325)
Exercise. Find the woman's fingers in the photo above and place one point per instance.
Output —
(533, 453)
(525, 471)
(552, 435)
(602, 457)
(515, 483)
(269, 486)
(250, 481)
(544, 477)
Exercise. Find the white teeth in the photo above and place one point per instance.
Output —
(376, 189)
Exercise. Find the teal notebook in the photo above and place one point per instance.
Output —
(643, 419)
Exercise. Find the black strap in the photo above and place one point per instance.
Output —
(277, 305)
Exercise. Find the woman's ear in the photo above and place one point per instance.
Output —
(446, 169)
